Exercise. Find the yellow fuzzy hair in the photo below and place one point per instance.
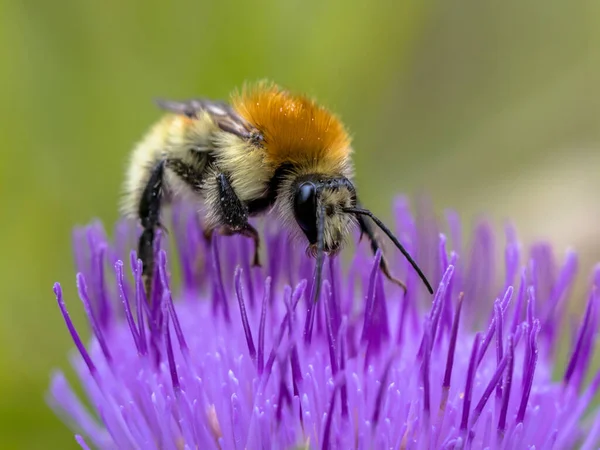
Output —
(295, 128)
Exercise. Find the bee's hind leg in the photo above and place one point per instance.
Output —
(149, 214)
(150, 206)
(234, 215)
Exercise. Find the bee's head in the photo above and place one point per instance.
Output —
(325, 209)
(319, 204)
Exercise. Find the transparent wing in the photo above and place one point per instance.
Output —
(222, 113)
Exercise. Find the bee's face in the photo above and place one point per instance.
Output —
(318, 199)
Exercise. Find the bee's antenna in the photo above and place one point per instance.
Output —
(387, 231)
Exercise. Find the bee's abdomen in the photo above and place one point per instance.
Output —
(183, 144)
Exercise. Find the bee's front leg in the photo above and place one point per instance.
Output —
(367, 229)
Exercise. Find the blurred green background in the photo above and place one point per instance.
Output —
(488, 106)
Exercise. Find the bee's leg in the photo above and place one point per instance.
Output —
(367, 228)
(149, 213)
(208, 233)
(234, 215)
(192, 175)
(250, 232)
(149, 209)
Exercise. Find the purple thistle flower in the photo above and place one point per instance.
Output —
(226, 365)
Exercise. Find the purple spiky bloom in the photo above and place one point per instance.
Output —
(226, 363)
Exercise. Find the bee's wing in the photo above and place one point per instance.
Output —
(222, 113)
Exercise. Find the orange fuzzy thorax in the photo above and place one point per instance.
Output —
(294, 127)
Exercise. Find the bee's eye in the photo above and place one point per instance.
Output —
(305, 209)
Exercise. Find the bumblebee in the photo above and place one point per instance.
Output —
(268, 149)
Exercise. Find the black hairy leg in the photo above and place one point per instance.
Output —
(250, 232)
(191, 174)
(150, 205)
(367, 229)
(234, 216)
(149, 213)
